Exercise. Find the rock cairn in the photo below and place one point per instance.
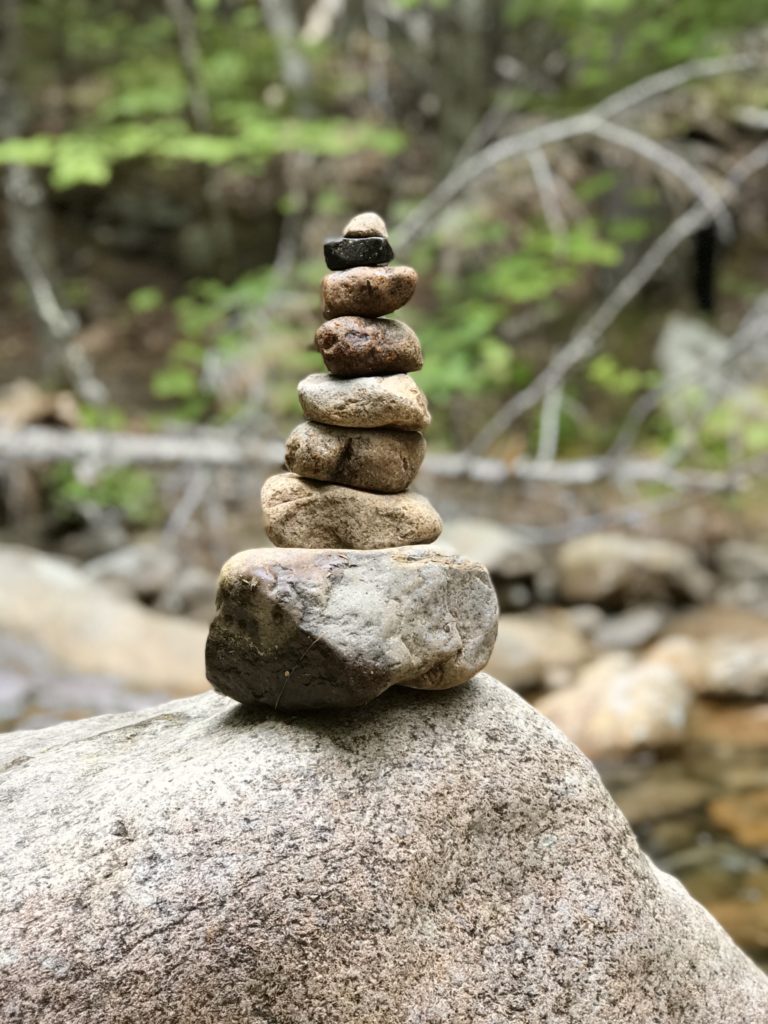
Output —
(352, 603)
(353, 460)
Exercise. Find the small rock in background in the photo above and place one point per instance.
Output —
(586, 617)
(540, 648)
(738, 560)
(142, 569)
(619, 704)
(735, 668)
(744, 816)
(631, 628)
(88, 629)
(16, 692)
(506, 553)
(617, 568)
(192, 591)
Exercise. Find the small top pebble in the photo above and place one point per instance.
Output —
(365, 225)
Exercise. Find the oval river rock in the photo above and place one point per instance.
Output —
(357, 346)
(304, 514)
(373, 460)
(394, 401)
(367, 291)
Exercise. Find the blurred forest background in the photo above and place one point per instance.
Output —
(581, 185)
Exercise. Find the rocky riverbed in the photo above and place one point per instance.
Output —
(652, 656)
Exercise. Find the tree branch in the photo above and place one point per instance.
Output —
(40, 445)
(584, 342)
(513, 146)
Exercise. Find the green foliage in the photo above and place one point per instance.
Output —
(132, 491)
(626, 381)
(145, 300)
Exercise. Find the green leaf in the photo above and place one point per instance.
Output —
(145, 300)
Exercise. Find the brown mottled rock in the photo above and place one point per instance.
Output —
(367, 291)
(372, 460)
(441, 858)
(302, 629)
(304, 514)
(365, 225)
(356, 346)
(394, 401)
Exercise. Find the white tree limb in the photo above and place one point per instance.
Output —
(40, 445)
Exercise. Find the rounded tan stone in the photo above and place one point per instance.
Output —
(373, 460)
(357, 346)
(395, 401)
(303, 514)
(365, 225)
(367, 291)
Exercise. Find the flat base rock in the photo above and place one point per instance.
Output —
(434, 858)
(302, 513)
(316, 629)
(368, 402)
(384, 461)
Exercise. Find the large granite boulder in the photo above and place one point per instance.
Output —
(446, 858)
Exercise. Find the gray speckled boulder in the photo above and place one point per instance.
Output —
(314, 629)
(440, 858)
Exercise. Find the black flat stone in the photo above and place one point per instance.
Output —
(344, 253)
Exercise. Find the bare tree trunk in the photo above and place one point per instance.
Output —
(30, 234)
(283, 26)
(199, 111)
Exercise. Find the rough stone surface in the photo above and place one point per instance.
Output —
(617, 568)
(436, 857)
(365, 225)
(373, 460)
(367, 402)
(355, 346)
(367, 291)
(303, 514)
(87, 627)
(343, 253)
(318, 629)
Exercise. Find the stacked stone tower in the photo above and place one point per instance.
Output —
(354, 459)
(351, 602)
